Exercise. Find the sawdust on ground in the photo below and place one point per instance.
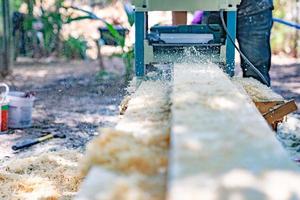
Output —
(52, 175)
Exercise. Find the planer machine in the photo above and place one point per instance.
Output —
(165, 44)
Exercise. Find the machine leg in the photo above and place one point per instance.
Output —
(230, 50)
(139, 43)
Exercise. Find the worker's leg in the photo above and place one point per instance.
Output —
(253, 35)
(179, 17)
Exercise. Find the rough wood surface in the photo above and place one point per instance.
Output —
(257, 91)
(148, 113)
(130, 162)
(103, 184)
(221, 147)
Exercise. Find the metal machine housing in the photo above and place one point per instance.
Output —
(144, 51)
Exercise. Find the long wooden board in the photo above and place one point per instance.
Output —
(221, 147)
(147, 119)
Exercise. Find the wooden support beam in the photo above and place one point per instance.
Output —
(265, 107)
(274, 112)
(221, 147)
(277, 113)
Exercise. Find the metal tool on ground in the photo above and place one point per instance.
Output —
(30, 142)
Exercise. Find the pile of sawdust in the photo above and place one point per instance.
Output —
(47, 176)
(257, 91)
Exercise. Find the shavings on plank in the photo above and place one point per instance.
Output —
(122, 152)
(103, 184)
(257, 91)
(135, 153)
(148, 113)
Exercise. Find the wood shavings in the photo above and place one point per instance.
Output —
(124, 105)
(47, 176)
(136, 152)
(122, 152)
(257, 91)
(148, 113)
(135, 187)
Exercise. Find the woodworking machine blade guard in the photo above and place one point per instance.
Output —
(169, 43)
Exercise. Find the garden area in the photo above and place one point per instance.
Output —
(77, 58)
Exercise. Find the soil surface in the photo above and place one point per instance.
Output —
(285, 74)
(71, 100)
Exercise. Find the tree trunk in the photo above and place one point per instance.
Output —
(6, 48)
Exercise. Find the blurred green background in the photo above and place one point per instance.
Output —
(285, 40)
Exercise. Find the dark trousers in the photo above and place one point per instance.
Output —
(254, 26)
(253, 35)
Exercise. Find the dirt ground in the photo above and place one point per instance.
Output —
(72, 101)
(285, 74)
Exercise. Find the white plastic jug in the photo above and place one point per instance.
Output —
(20, 110)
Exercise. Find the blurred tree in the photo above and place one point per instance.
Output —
(5, 38)
(52, 21)
(43, 22)
(16, 4)
(74, 48)
(285, 39)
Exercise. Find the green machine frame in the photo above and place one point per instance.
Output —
(142, 7)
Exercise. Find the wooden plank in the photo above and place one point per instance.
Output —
(265, 107)
(98, 179)
(221, 147)
(274, 112)
(103, 184)
(280, 111)
(257, 91)
(137, 154)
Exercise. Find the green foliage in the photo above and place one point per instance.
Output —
(52, 24)
(16, 4)
(127, 52)
(53, 21)
(29, 20)
(74, 48)
(284, 39)
(120, 40)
